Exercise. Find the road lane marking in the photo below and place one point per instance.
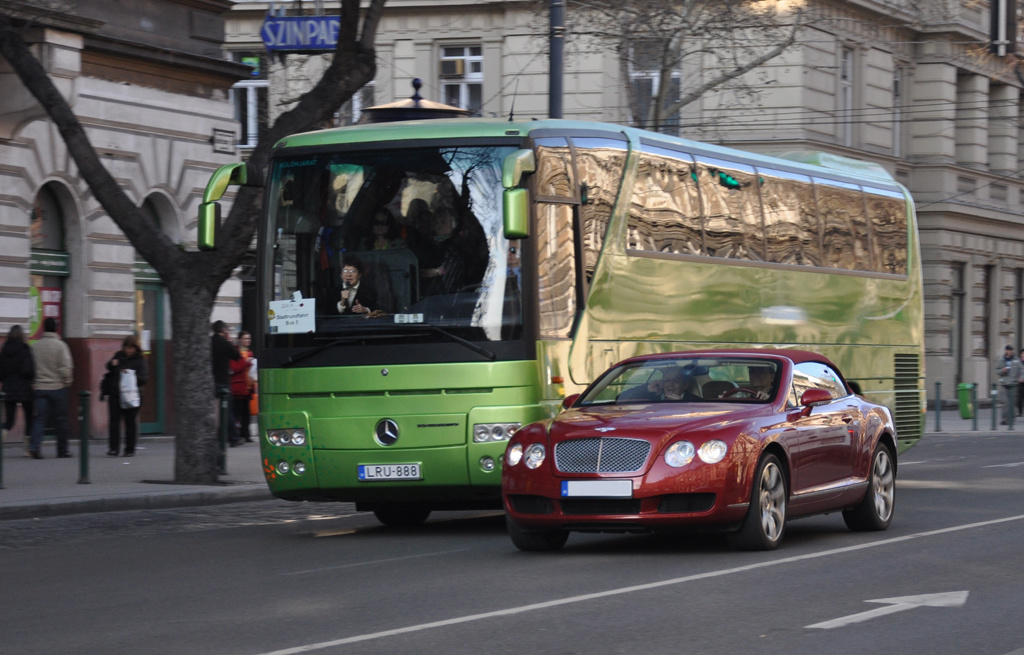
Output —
(375, 561)
(893, 605)
(511, 611)
(1008, 466)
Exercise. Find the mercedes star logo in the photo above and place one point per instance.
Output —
(386, 432)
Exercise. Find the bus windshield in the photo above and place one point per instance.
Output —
(391, 242)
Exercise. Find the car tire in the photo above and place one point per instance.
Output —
(876, 510)
(401, 517)
(765, 523)
(535, 540)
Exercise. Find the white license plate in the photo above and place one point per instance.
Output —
(386, 472)
(597, 488)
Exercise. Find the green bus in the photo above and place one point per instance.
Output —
(503, 264)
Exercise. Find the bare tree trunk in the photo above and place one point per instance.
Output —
(193, 279)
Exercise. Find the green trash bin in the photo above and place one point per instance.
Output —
(963, 393)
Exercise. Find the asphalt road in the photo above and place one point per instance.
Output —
(276, 577)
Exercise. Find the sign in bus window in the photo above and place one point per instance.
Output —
(664, 215)
(733, 228)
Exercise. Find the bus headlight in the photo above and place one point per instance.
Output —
(289, 437)
(485, 432)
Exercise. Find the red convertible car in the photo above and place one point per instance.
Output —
(737, 440)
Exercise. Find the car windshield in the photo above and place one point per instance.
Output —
(391, 241)
(703, 379)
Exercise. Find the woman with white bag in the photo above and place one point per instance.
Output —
(127, 372)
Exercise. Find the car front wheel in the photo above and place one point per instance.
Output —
(875, 512)
(536, 540)
(765, 521)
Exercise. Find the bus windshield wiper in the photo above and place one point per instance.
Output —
(480, 350)
(306, 354)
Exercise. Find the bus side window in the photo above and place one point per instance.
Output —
(733, 227)
(888, 213)
(600, 163)
(790, 218)
(664, 213)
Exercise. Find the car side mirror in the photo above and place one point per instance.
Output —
(814, 397)
(569, 400)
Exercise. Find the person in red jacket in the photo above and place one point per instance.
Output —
(241, 389)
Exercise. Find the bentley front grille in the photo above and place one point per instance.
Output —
(601, 455)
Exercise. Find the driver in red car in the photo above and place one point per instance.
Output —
(761, 379)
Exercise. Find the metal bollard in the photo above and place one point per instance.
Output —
(2, 407)
(974, 404)
(223, 396)
(83, 436)
(938, 407)
(995, 404)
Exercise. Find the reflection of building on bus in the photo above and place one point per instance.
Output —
(492, 309)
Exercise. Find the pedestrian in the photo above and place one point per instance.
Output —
(1008, 368)
(17, 373)
(54, 374)
(223, 352)
(122, 404)
(1020, 386)
(241, 389)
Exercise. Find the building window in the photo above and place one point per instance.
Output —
(898, 85)
(462, 77)
(646, 58)
(956, 321)
(352, 110)
(250, 98)
(846, 83)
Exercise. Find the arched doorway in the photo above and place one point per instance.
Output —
(151, 322)
(49, 261)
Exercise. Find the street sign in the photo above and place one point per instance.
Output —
(300, 33)
(900, 604)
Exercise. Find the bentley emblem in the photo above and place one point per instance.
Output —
(605, 429)
(386, 432)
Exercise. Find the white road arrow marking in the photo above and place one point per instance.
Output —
(900, 604)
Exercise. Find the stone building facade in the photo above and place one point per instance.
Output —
(909, 85)
(149, 83)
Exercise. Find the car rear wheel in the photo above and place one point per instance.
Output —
(765, 521)
(401, 517)
(875, 512)
(536, 540)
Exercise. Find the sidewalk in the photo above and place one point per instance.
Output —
(34, 488)
(48, 487)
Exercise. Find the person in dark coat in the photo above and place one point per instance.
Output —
(17, 371)
(130, 357)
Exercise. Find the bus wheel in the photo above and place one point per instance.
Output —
(396, 516)
(875, 512)
(535, 540)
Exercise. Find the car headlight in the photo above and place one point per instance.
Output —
(534, 455)
(679, 454)
(713, 451)
(515, 454)
(484, 432)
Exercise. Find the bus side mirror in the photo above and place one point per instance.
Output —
(209, 209)
(515, 202)
(515, 210)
